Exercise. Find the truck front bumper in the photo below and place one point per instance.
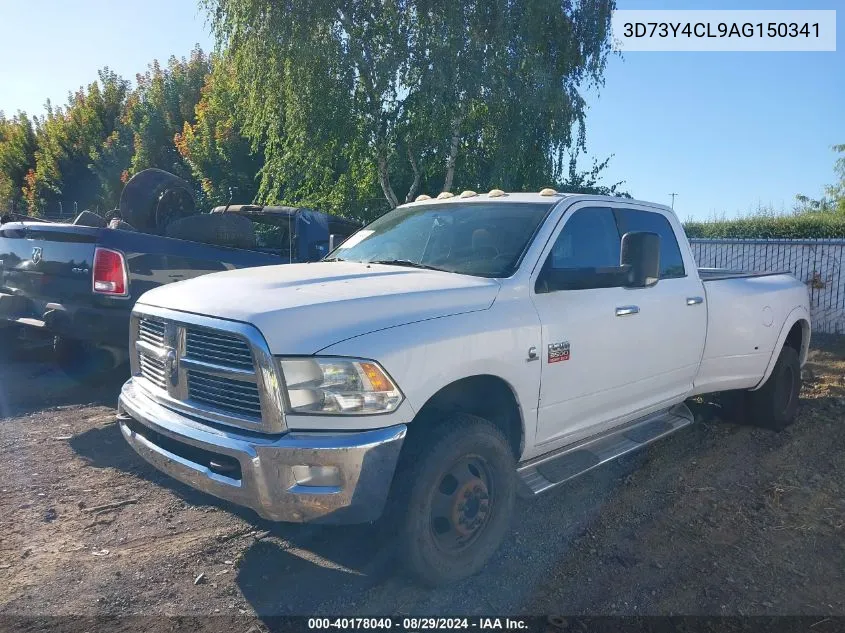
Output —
(298, 477)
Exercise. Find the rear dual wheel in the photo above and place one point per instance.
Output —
(456, 490)
(775, 404)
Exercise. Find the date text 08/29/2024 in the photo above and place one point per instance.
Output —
(408, 623)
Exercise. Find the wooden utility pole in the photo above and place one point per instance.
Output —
(673, 200)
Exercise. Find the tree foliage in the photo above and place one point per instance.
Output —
(810, 219)
(836, 192)
(766, 226)
(589, 181)
(833, 200)
(79, 155)
(164, 101)
(355, 98)
(220, 158)
(66, 140)
(352, 107)
(17, 156)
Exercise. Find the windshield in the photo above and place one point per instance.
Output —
(473, 238)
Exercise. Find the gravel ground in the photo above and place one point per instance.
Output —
(719, 519)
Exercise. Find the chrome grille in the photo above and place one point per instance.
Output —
(152, 332)
(234, 396)
(218, 348)
(211, 369)
(153, 370)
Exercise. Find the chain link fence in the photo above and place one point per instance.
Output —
(817, 263)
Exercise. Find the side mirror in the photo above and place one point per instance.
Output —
(641, 253)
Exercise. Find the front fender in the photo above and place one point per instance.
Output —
(426, 356)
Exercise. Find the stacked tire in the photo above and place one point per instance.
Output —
(220, 229)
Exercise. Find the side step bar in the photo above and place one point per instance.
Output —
(550, 470)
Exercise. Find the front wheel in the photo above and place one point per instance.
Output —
(458, 489)
(775, 404)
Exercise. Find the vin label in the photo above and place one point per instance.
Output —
(723, 30)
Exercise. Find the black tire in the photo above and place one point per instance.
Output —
(220, 229)
(775, 405)
(83, 362)
(463, 468)
(89, 218)
(154, 197)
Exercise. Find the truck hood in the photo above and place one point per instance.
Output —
(303, 308)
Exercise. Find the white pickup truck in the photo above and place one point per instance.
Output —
(454, 353)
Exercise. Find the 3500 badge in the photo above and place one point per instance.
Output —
(558, 352)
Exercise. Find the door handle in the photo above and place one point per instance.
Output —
(627, 310)
(694, 301)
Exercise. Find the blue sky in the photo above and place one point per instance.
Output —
(726, 131)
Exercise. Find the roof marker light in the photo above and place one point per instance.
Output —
(444, 195)
(496, 193)
(548, 191)
(468, 194)
(422, 197)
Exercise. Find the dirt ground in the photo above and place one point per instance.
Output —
(719, 519)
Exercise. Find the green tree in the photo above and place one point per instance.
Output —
(17, 157)
(836, 191)
(589, 181)
(412, 95)
(220, 157)
(834, 199)
(67, 138)
(163, 101)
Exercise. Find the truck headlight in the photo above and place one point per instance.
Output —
(338, 386)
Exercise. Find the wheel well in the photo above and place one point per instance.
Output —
(795, 338)
(486, 396)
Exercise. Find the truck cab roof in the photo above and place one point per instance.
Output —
(498, 196)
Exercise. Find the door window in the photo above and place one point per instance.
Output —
(584, 255)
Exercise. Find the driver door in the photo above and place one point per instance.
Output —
(591, 339)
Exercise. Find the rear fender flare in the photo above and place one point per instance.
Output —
(799, 313)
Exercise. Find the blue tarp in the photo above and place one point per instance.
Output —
(312, 235)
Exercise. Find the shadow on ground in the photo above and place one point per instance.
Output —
(30, 381)
(287, 570)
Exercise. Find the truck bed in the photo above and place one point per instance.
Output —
(47, 269)
(745, 314)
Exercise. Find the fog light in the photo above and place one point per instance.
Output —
(316, 476)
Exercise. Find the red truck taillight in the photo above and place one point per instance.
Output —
(109, 272)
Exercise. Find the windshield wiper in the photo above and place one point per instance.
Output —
(408, 263)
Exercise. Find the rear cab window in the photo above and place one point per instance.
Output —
(671, 261)
(586, 252)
